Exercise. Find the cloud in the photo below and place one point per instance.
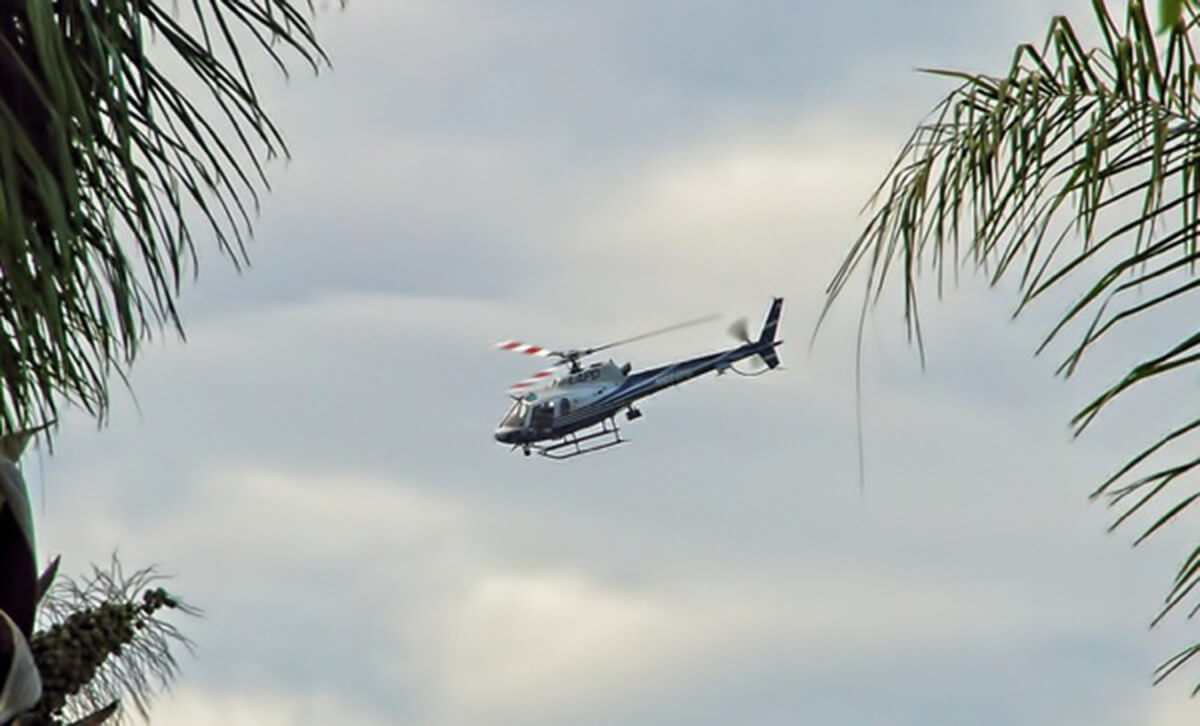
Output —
(790, 192)
(1169, 705)
(193, 706)
(519, 645)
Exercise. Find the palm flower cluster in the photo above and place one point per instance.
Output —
(103, 640)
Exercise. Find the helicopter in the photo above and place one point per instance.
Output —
(554, 408)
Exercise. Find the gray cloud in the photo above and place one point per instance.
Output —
(453, 146)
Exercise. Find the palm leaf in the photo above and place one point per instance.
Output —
(1076, 172)
(106, 163)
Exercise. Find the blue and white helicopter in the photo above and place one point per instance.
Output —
(554, 407)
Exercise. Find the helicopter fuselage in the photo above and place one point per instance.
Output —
(547, 415)
(602, 390)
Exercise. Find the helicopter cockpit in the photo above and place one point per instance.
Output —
(525, 416)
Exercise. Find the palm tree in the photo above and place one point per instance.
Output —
(1077, 171)
(105, 162)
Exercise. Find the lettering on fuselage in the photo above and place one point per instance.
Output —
(592, 374)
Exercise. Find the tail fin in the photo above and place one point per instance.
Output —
(767, 337)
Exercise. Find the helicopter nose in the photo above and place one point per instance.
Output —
(506, 436)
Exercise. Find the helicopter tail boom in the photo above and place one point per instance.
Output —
(767, 338)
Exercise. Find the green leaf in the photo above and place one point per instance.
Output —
(1170, 12)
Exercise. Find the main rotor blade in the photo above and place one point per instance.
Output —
(538, 381)
(517, 346)
(660, 331)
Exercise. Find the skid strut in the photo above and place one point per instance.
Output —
(573, 445)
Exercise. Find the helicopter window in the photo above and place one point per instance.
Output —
(564, 407)
(542, 414)
(516, 415)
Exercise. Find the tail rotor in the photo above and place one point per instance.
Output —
(765, 344)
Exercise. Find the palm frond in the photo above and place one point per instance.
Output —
(106, 162)
(1078, 171)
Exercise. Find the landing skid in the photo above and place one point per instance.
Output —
(572, 445)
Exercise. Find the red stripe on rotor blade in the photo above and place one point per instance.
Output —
(510, 345)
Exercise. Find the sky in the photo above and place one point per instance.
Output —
(315, 465)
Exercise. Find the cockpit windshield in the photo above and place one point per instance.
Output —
(516, 416)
